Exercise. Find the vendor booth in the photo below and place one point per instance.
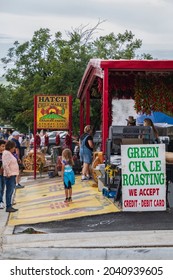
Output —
(150, 84)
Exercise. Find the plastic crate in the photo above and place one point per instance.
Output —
(109, 193)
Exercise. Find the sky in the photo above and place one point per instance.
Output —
(149, 20)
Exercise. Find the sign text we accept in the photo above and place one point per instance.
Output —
(143, 177)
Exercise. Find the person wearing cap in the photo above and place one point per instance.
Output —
(15, 138)
(131, 121)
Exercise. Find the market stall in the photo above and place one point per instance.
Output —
(148, 82)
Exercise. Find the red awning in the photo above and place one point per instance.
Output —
(95, 69)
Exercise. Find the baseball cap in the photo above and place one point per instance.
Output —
(15, 133)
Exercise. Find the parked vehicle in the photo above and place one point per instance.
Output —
(52, 139)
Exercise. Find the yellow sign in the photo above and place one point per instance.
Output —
(53, 112)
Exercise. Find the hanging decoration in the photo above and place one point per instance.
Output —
(46, 140)
(67, 141)
(38, 140)
(150, 91)
(57, 139)
(154, 92)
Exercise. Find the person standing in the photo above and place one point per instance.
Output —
(86, 150)
(133, 131)
(1, 134)
(149, 122)
(67, 173)
(2, 182)
(17, 154)
(6, 134)
(11, 170)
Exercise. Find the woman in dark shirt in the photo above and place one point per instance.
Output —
(86, 149)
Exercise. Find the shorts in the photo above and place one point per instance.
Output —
(86, 158)
(69, 185)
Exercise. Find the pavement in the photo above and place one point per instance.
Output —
(99, 244)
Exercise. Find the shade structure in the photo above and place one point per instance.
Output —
(105, 77)
(156, 117)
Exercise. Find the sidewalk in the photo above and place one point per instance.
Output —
(84, 245)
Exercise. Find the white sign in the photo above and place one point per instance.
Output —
(143, 177)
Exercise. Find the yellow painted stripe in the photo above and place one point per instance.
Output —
(44, 202)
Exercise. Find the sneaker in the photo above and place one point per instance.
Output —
(70, 199)
(84, 179)
(11, 209)
(66, 200)
(19, 186)
(2, 205)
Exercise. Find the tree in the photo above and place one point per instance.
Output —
(120, 46)
(6, 108)
(49, 65)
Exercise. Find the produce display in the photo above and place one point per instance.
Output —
(28, 161)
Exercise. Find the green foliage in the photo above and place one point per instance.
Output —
(46, 65)
(122, 46)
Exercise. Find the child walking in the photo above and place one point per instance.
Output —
(67, 173)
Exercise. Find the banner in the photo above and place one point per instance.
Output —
(53, 112)
(143, 177)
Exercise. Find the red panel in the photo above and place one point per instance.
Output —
(88, 107)
(105, 109)
(81, 117)
(70, 120)
(146, 65)
(35, 132)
